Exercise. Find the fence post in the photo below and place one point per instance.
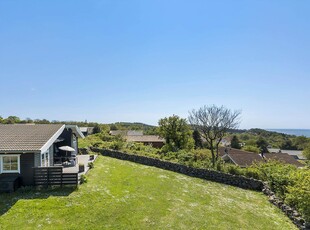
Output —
(61, 178)
(48, 177)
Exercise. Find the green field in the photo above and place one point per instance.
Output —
(125, 195)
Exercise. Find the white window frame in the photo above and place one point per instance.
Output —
(46, 159)
(10, 171)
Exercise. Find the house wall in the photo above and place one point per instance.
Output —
(26, 169)
(37, 159)
(51, 155)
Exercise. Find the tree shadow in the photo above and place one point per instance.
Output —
(8, 200)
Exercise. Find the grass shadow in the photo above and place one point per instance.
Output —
(8, 200)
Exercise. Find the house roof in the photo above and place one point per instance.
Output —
(118, 132)
(240, 157)
(88, 130)
(297, 153)
(83, 129)
(126, 132)
(145, 138)
(134, 132)
(28, 137)
(244, 158)
(284, 157)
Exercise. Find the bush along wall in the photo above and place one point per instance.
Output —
(211, 175)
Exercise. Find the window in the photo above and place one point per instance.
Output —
(10, 164)
(45, 159)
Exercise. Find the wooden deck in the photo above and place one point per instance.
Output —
(82, 159)
(59, 175)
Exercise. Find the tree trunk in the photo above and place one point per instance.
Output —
(212, 153)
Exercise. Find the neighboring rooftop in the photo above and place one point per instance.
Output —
(126, 132)
(240, 157)
(27, 137)
(145, 138)
(244, 158)
(284, 157)
(87, 130)
(297, 154)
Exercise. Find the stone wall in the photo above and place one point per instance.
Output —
(212, 175)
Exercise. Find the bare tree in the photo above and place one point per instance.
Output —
(213, 122)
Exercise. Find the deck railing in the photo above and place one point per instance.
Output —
(50, 176)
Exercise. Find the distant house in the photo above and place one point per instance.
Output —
(87, 130)
(155, 141)
(26, 146)
(126, 132)
(226, 142)
(297, 154)
(244, 158)
(239, 157)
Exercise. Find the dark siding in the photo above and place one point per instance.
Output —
(26, 169)
(67, 135)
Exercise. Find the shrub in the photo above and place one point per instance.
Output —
(232, 169)
(252, 173)
(83, 179)
(299, 192)
(251, 148)
(90, 165)
(116, 145)
(277, 174)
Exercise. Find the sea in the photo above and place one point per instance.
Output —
(296, 132)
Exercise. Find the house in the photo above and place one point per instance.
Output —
(239, 157)
(24, 147)
(244, 158)
(153, 140)
(126, 132)
(226, 141)
(297, 154)
(87, 130)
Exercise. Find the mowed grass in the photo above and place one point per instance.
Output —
(125, 195)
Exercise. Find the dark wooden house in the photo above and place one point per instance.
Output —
(26, 146)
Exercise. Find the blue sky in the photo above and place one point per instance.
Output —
(109, 61)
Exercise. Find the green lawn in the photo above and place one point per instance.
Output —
(125, 195)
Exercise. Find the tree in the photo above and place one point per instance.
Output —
(306, 152)
(177, 133)
(1, 119)
(301, 142)
(262, 144)
(12, 120)
(197, 139)
(213, 122)
(97, 129)
(287, 144)
(235, 143)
